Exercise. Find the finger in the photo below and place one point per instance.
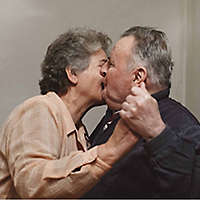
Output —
(125, 106)
(128, 110)
(142, 85)
(135, 102)
(139, 91)
(128, 106)
(130, 99)
(122, 113)
(125, 114)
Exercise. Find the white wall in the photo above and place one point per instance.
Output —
(28, 26)
(193, 59)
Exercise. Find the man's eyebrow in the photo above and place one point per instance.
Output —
(110, 60)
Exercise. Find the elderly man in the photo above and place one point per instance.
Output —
(165, 162)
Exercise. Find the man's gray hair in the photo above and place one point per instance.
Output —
(72, 49)
(153, 52)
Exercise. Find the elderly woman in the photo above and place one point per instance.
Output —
(43, 151)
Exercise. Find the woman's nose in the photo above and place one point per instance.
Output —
(104, 69)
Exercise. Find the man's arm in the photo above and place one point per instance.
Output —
(176, 162)
(171, 151)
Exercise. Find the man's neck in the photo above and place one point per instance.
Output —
(155, 89)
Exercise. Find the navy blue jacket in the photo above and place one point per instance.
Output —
(166, 167)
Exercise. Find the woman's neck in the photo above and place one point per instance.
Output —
(76, 104)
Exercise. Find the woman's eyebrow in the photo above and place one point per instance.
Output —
(104, 60)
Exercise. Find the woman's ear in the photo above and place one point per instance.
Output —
(139, 74)
(72, 76)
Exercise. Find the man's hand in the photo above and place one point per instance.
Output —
(140, 112)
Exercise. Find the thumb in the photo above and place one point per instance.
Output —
(142, 86)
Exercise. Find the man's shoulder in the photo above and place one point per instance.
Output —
(176, 114)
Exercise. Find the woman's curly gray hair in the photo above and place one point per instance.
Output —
(72, 49)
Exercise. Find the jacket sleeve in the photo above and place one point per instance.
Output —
(37, 170)
(175, 161)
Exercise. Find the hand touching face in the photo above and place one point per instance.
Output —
(140, 112)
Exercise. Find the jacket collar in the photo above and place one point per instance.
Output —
(161, 94)
(158, 96)
(70, 127)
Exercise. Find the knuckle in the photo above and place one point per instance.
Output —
(128, 98)
(133, 110)
(133, 89)
(124, 104)
(122, 114)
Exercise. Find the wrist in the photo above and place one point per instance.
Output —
(157, 130)
(106, 153)
(120, 143)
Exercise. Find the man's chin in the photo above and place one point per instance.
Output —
(113, 105)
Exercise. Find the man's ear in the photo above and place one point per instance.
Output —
(139, 74)
(72, 76)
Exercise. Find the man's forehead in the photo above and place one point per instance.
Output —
(124, 45)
